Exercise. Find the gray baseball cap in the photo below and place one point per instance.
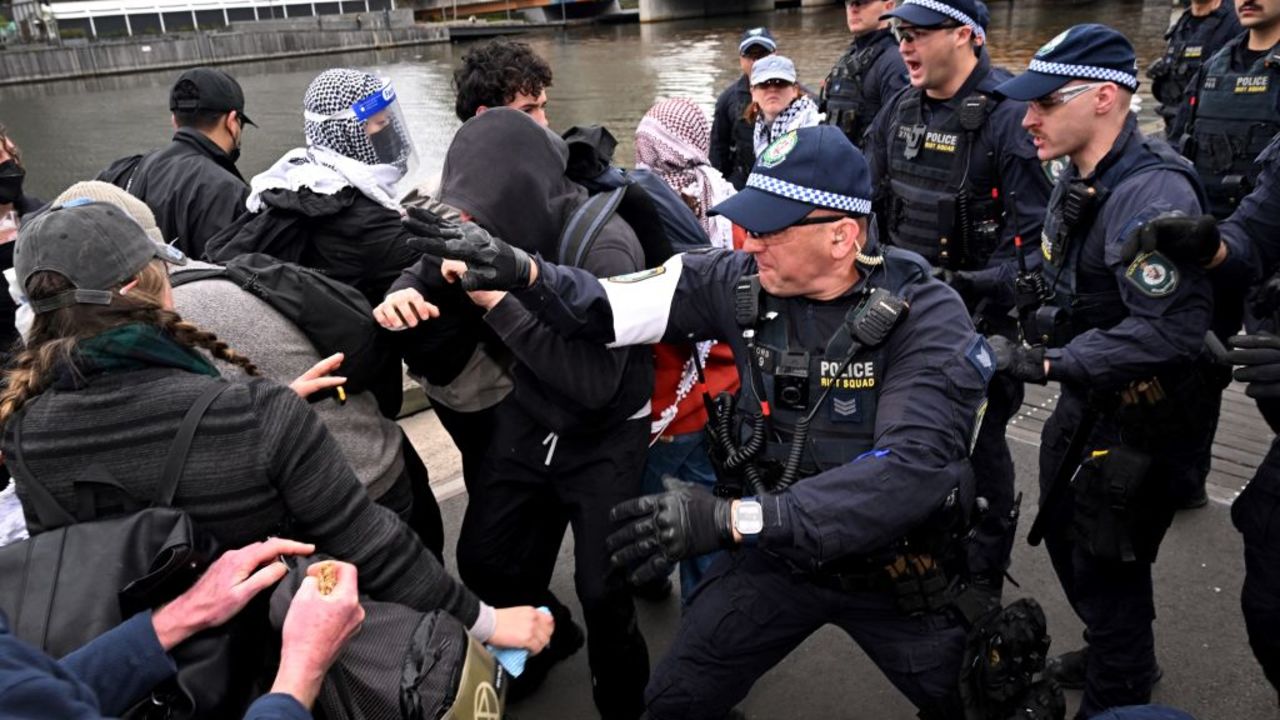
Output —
(95, 245)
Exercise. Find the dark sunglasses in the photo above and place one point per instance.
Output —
(775, 83)
(755, 52)
(825, 219)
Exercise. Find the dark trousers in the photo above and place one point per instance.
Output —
(993, 474)
(751, 611)
(533, 485)
(411, 498)
(471, 432)
(1256, 514)
(1112, 598)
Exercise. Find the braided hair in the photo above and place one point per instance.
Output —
(55, 335)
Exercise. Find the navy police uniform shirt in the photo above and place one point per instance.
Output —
(1004, 156)
(1168, 305)
(873, 86)
(1252, 232)
(932, 382)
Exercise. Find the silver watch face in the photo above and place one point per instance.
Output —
(749, 519)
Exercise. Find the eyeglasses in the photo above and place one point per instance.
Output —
(859, 3)
(755, 52)
(909, 34)
(823, 220)
(1064, 96)
(774, 83)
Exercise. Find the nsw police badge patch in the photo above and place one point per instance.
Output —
(1153, 274)
(778, 150)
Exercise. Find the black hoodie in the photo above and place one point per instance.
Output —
(508, 173)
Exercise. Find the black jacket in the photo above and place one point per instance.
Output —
(732, 137)
(193, 187)
(567, 386)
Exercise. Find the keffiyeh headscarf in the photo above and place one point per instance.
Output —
(801, 113)
(332, 92)
(672, 141)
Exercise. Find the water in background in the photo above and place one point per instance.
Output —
(603, 74)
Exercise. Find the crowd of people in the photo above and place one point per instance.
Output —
(775, 357)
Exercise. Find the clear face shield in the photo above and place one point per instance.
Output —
(385, 128)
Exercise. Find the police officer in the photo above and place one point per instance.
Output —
(1123, 338)
(1232, 108)
(1231, 114)
(1199, 32)
(868, 73)
(850, 435)
(957, 181)
(732, 137)
(1243, 249)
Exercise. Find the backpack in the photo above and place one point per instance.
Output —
(66, 586)
(403, 664)
(120, 173)
(334, 316)
(660, 218)
(1004, 660)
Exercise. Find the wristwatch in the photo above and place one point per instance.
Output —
(748, 519)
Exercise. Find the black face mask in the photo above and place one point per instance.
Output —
(11, 176)
(388, 146)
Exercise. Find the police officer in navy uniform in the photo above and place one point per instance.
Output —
(957, 181)
(1231, 113)
(862, 381)
(868, 73)
(1199, 32)
(1244, 249)
(1123, 339)
(732, 137)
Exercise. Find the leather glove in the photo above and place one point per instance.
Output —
(1264, 299)
(1017, 360)
(491, 263)
(1259, 354)
(661, 530)
(960, 280)
(1183, 239)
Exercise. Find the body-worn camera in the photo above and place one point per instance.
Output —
(791, 381)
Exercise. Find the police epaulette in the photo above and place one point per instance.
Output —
(746, 301)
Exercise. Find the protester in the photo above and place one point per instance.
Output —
(732, 142)
(15, 203)
(109, 368)
(193, 185)
(778, 104)
(118, 669)
(566, 445)
(672, 141)
(502, 73)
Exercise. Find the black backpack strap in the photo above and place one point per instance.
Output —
(47, 509)
(585, 224)
(181, 446)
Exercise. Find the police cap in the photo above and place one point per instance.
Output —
(1084, 52)
(802, 171)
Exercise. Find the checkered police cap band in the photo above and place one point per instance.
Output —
(799, 193)
(1092, 72)
(954, 14)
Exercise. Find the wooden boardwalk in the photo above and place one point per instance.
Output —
(1242, 441)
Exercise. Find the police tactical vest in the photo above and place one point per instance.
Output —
(851, 104)
(1183, 56)
(1094, 301)
(1236, 115)
(792, 376)
(935, 209)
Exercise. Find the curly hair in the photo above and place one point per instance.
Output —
(55, 335)
(493, 73)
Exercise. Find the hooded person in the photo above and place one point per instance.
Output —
(333, 205)
(565, 446)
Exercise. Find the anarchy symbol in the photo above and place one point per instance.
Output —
(487, 705)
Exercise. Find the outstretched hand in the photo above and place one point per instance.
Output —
(1192, 240)
(491, 263)
(661, 530)
(1259, 354)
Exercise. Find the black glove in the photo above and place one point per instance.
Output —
(1017, 360)
(1264, 299)
(962, 281)
(1260, 356)
(1183, 239)
(491, 263)
(663, 529)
